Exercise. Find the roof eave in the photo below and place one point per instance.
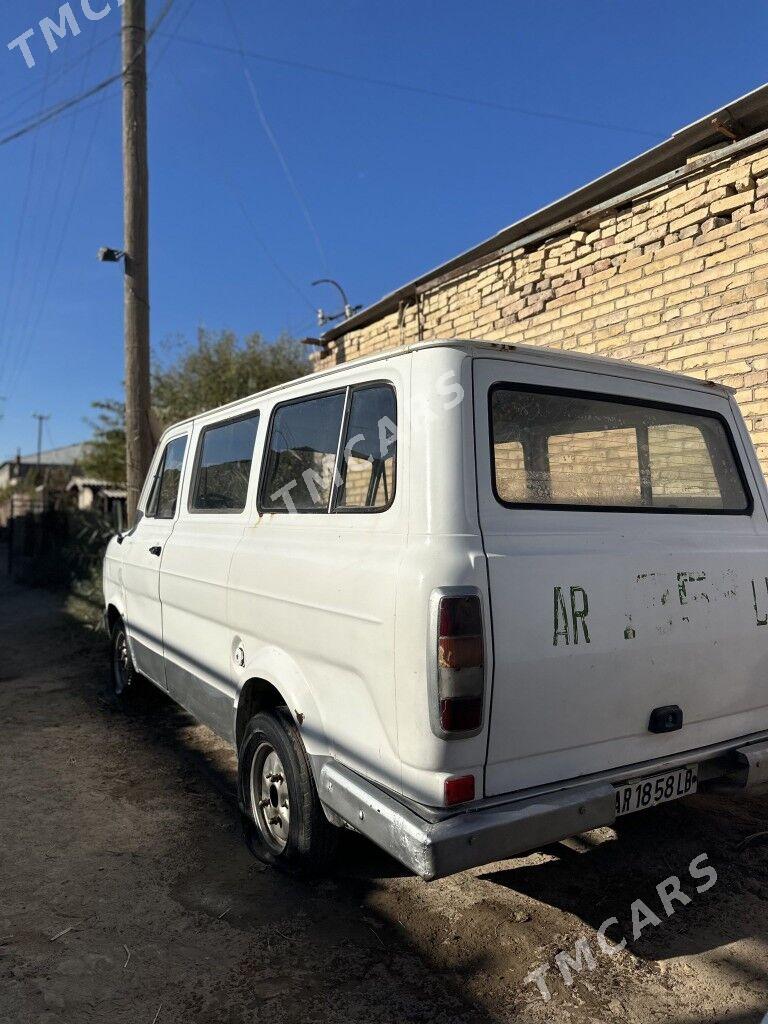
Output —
(747, 115)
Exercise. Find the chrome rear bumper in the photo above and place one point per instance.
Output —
(482, 834)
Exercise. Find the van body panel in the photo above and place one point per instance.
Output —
(443, 549)
(274, 665)
(428, 760)
(324, 598)
(671, 615)
(199, 643)
(196, 629)
(112, 576)
(320, 591)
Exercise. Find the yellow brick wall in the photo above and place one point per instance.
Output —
(678, 279)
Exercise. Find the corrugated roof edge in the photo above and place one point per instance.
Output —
(522, 353)
(748, 115)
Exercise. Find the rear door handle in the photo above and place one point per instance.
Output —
(155, 550)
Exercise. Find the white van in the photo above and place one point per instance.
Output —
(466, 598)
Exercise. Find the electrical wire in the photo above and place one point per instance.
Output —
(57, 255)
(33, 88)
(59, 108)
(11, 295)
(35, 306)
(27, 335)
(419, 90)
(56, 259)
(244, 209)
(297, 194)
(170, 37)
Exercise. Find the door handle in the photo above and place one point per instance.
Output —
(155, 550)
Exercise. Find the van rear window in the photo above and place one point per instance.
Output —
(562, 450)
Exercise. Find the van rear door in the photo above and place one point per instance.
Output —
(627, 548)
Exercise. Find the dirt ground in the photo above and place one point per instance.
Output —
(126, 894)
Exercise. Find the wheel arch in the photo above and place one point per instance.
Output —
(113, 614)
(256, 695)
(272, 679)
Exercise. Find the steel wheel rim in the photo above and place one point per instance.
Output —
(121, 662)
(269, 797)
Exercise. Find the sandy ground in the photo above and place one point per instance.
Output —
(126, 894)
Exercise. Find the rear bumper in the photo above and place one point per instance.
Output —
(482, 834)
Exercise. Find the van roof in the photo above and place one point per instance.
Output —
(503, 350)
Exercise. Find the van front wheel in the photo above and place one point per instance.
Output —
(128, 688)
(283, 822)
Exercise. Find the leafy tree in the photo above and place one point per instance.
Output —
(105, 456)
(219, 368)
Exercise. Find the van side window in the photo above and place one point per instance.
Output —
(569, 450)
(224, 457)
(302, 452)
(370, 446)
(165, 489)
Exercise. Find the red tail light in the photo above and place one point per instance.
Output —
(460, 664)
(461, 714)
(459, 791)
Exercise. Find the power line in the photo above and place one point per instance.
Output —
(63, 165)
(23, 122)
(420, 90)
(27, 339)
(298, 196)
(35, 91)
(54, 263)
(17, 248)
(170, 37)
(244, 209)
(60, 108)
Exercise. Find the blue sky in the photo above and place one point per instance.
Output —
(373, 185)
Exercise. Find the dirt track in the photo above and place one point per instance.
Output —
(119, 835)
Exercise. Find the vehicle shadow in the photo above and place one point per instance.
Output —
(168, 726)
(599, 875)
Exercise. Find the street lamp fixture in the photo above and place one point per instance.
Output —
(107, 255)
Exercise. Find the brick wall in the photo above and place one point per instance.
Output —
(676, 279)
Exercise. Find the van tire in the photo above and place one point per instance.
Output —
(303, 840)
(128, 688)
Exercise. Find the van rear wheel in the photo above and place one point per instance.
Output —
(283, 822)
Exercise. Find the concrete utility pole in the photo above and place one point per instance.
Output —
(138, 437)
(40, 421)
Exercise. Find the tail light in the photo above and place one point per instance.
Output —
(459, 791)
(460, 673)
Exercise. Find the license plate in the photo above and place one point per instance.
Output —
(658, 789)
